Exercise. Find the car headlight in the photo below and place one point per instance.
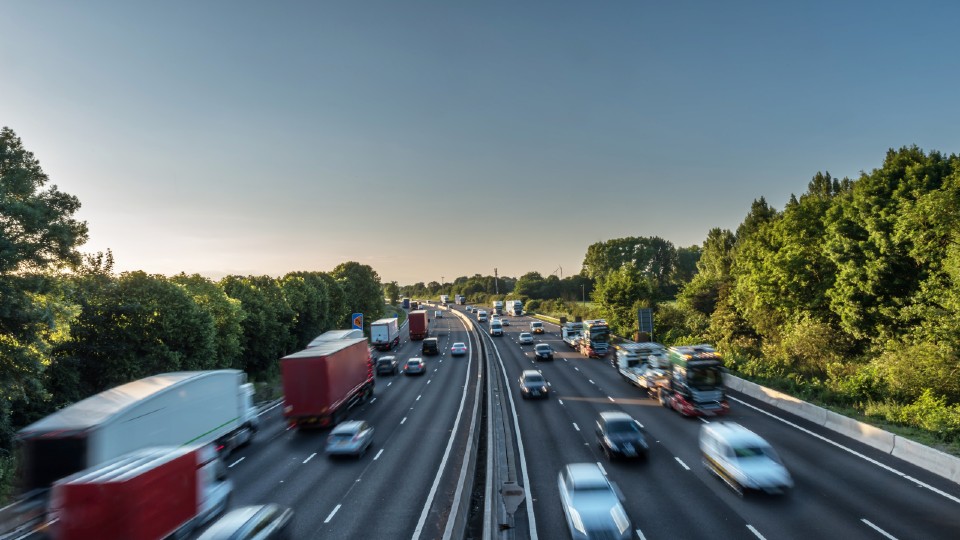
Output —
(543, 388)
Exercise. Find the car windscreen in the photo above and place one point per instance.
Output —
(532, 380)
(623, 426)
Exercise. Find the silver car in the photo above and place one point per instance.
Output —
(591, 503)
(351, 438)
(742, 459)
(525, 338)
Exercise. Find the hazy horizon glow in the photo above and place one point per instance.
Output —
(432, 140)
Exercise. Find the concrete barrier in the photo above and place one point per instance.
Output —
(931, 459)
(865, 433)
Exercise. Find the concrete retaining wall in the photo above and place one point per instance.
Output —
(927, 458)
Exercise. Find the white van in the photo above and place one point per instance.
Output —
(482, 315)
(496, 329)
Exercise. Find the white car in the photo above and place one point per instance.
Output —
(525, 338)
(742, 459)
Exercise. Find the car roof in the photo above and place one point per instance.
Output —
(232, 522)
(386, 358)
(415, 359)
(586, 475)
(459, 343)
(531, 372)
(735, 435)
(347, 427)
(541, 345)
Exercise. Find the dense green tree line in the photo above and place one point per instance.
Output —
(71, 327)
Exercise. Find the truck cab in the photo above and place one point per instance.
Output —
(496, 328)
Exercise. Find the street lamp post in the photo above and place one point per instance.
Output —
(583, 294)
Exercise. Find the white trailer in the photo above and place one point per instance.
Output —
(384, 334)
(172, 409)
(645, 365)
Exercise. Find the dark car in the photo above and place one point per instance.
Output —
(533, 385)
(543, 351)
(619, 435)
(388, 365)
(430, 347)
(261, 522)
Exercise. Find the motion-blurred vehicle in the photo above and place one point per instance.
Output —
(388, 365)
(619, 435)
(418, 325)
(645, 365)
(543, 351)
(536, 327)
(525, 338)
(694, 383)
(505, 321)
(321, 383)
(742, 459)
(430, 347)
(258, 522)
(481, 315)
(496, 328)
(458, 349)
(384, 334)
(154, 492)
(351, 438)
(414, 366)
(533, 385)
(592, 504)
(437, 314)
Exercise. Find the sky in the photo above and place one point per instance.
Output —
(432, 140)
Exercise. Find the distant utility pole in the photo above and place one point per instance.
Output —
(496, 282)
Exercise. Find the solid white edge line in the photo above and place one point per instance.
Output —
(640, 534)
(682, 464)
(532, 518)
(852, 451)
(270, 408)
(376, 457)
(604, 471)
(309, 458)
(236, 462)
(755, 532)
(878, 529)
(446, 455)
(335, 508)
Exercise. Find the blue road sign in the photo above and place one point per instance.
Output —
(358, 321)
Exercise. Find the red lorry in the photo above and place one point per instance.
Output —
(418, 324)
(322, 382)
(149, 494)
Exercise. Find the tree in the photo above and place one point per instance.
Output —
(361, 287)
(530, 285)
(391, 291)
(654, 257)
(131, 327)
(37, 233)
(268, 324)
(227, 314)
(619, 295)
(306, 294)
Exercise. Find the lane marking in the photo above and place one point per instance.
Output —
(389, 383)
(591, 381)
(878, 529)
(376, 457)
(682, 464)
(702, 419)
(561, 401)
(270, 408)
(755, 532)
(611, 399)
(372, 400)
(640, 534)
(604, 471)
(404, 420)
(903, 475)
(331, 514)
(446, 453)
(576, 427)
(309, 458)
(429, 381)
(576, 368)
(418, 397)
(236, 462)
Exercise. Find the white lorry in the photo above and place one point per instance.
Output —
(645, 365)
(172, 409)
(497, 308)
(335, 335)
(444, 299)
(385, 334)
(514, 307)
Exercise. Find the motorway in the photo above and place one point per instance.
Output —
(403, 486)
(844, 489)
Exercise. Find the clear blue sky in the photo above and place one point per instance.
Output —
(439, 139)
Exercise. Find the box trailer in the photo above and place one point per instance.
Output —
(321, 383)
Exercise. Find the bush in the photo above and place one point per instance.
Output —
(928, 412)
